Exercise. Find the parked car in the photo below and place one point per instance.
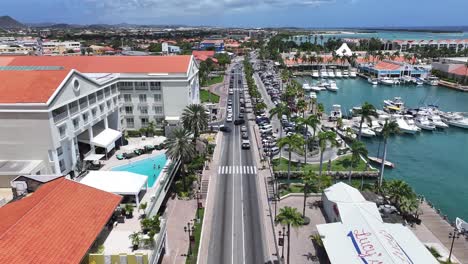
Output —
(241, 115)
(245, 144)
(245, 135)
(229, 118)
(243, 128)
(239, 122)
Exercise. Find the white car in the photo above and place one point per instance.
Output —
(231, 91)
(229, 108)
(229, 118)
(243, 128)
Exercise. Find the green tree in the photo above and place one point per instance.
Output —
(195, 119)
(367, 111)
(388, 129)
(155, 47)
(179, 147)
(308, 180)
(294, 142)
(260, 106)
(325, 138)
(223, 59)
(289, 217)
(280, 110)
(313, 122)
(358, 149)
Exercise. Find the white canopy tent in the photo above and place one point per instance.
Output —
(117, 182)
(93, 157)
(344, 50)
(106, 139)
(359, 234)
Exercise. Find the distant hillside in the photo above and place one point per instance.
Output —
(6, 22)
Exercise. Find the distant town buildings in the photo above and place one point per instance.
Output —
(403, 45)
(53, 47)
(214, 44)
(169, 49)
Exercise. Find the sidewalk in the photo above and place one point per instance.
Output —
(180, 212)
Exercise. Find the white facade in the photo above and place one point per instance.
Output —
(60, 132)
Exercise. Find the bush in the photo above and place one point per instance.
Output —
(133, 133)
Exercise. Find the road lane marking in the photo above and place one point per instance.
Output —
(219, 170)
(255, 169)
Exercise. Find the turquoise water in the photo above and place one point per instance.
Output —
(434, 163)
(150, 167)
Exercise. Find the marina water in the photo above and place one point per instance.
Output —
(434, 163)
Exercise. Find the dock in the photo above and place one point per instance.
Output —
(453, 86)
(440, 229)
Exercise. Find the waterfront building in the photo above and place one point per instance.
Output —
(216, 44)
(389, 68)
(356, 232)
(404, 45)
(454, 68)
(56, 110)
(14, 50)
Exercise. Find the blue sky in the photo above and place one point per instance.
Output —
(257, 13)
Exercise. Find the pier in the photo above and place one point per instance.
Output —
(453, 86)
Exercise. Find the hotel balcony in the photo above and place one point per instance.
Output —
(60, 114)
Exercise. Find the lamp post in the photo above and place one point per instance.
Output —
(282, 241)
(198, 204)
(189, 229)
(453, 236)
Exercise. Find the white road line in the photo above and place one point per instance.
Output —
(229, 169)
(237, 169)
(255, 169)
(219, 170)
(243, 168)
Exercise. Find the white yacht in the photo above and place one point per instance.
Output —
(313, 95)
(332, 86)
(352, 73)
(315, 88)
(331, 73)
(338, 73)
(404, 126)
(365, 131)
(432, 80)
(315, 74)
(376, 127)
(335, 112)
(306, 86)
(437, 121)
(423, 122)
(386, 81)
(455, 119)
(396, 103)
(345, 73)
(373, 81)
(418, 81)
(323, 73)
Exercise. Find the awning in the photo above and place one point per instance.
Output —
(106, 138)
(118, 182)
(94, 157)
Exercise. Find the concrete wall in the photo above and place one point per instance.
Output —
(69, 94)
(176, 97)
(25, 136)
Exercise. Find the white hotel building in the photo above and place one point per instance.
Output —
(54, 111)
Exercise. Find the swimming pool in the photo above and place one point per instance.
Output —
(150, 167)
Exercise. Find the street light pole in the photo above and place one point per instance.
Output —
(455, 235)
(189, 229)
(198, 205)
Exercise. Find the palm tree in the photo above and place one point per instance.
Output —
(313, 122)
(367, 111)
(325, 137)
(293, 142)
(301, 106)
(466, 72)
(179, 147)
(195, 119)
(358, 149)
(408, 57)
(290, 217)
(388, 129)
(280, 110)
(308, 179)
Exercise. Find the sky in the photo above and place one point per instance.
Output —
(243, 13)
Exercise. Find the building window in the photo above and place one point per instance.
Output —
(128, 110)
(115, 100)
(59, 151)
(62, 131)
(159, 121)
(51, 156)
(142, 98)
(76, 123)
(94, 111)
(130, 123)
(101, 108)
(62, 165)
(85, 118)
(144, 121)
(127, 98)
(157, 97)
(126, 86)
(158, 109)
(141, 86)
(144, 110)
(109, 103)
(155, 86)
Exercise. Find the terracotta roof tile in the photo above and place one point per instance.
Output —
(460, 70)
(56, 224)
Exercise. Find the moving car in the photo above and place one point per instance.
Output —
(224, 128)
(231, 91)
(239, 122)
(245, 135)
(245, 144)
(244, 128)
(229, 118)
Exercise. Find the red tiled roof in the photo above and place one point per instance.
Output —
(209, 53)
(460, 71)
(29, 86)
(108, 64)
(382, 65)
(56, 224)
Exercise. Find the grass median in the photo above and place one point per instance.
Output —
(207, 96)
(340, 164)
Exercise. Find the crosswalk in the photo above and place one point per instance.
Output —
(237, 169)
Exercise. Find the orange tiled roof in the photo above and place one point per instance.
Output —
(382, 65)
(209, 53)
(56, 224)
(29, 86)
(108, 64)
(460, 70)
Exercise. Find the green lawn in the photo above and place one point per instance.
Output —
(340, 164)
(207, 96)
(192, 259)
(216, 79)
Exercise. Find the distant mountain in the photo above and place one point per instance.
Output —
(6, 22)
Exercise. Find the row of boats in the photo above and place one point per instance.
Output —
(430, 80)
(334, 73)
(410, 121)
(320, 86)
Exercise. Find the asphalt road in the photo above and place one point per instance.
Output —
(237, 234)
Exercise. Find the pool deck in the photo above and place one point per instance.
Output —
(114, 162)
